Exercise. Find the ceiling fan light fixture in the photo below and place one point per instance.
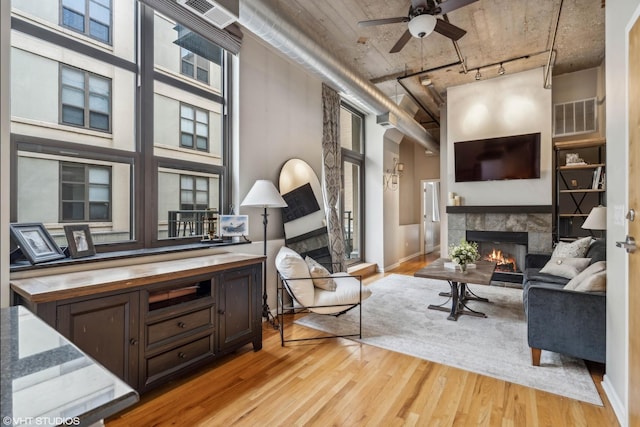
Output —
(422, 25)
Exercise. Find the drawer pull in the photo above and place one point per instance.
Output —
(221, 312)
(182, 325)
(133, 341)
(182, 355)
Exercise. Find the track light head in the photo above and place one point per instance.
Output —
(478, 75)
(501, 70)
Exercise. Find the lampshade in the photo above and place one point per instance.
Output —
(597, 219)
(264, 194)
(422, 25)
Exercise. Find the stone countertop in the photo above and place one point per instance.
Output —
(47, 381)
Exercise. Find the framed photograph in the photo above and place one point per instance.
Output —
(35, 242)
(234, 225)
(80, 240)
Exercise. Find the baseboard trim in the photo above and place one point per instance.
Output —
(614, 399)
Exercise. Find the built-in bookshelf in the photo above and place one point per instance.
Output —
(580, 185)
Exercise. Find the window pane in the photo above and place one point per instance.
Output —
(201, 143)
(201, 198)
(99, 31)
(99, 86)
(186, 112)
(187, 69)
(99, 121)
(186, 197)
(202, 116)
(99, 103)
(98, 176)
(202, 130)
(72, 172)
(186, 140)
(73, 191)
(186, 125)
(71, 96)
(72, 115)
(99, 211)
(203, 75)
(99, 13)
(186, 182)
(73, 78)
(202, 184)
(77, 5)
(98, 194)
(73, 211)
(73, 20)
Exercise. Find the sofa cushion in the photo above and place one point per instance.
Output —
(565, 267)
(576, 249)
(597, 251)
(346, 295)
(586, 274)
(594, 283)
(291, 266)
(320, 275)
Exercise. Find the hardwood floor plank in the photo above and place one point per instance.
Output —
(339, 382)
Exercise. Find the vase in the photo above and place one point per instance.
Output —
(463, 268)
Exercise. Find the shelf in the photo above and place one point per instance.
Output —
(585, 190)
(578, 167)
(573, 215)
(581, 143)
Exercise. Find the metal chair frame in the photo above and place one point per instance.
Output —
(284, 289)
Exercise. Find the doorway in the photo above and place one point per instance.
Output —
(430, 230)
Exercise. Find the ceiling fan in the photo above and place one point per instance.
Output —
(422, 21)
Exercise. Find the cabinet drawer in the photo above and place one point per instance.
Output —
(179, 325)
(180, 357)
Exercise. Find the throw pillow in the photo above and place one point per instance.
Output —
(320, 275)
(576, 249)
(594, 283)
(594, 268)
(565, 267)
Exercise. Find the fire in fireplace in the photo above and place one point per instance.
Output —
(506, 248)
(504, 262)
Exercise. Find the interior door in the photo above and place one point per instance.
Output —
(634, 226)
(431, 215)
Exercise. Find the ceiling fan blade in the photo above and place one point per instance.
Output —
(418, 3)
(451, 5)
(447, 29)
(372, 22)
(400, 43)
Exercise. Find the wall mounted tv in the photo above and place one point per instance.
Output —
(509, 157)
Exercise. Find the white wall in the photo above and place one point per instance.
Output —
(512, 104)
(619, 16)
(280, 117)
(374, 195)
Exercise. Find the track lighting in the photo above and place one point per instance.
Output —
(501, 70)
(478, 75)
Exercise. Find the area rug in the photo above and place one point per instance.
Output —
(396, 318)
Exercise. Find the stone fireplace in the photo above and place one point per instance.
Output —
(506, 233)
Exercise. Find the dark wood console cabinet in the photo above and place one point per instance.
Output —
(151, 322)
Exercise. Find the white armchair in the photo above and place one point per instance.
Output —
(315, 290)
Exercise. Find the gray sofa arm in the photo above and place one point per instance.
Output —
(567, 322)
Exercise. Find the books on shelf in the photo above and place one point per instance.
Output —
(598, 175)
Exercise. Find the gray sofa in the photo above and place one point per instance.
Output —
(564, 321)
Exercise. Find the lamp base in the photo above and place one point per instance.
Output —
(266, 313)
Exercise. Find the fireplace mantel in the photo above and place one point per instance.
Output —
(501, 209)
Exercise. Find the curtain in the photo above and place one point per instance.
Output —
(332, 173)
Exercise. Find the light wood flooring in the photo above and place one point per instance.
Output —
(343, 383)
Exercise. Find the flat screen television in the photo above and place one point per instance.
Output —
(493, 159)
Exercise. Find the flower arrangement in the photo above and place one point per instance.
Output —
(464, 253)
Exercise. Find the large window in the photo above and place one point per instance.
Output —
(85, 192)
(132, 147)
(351, 203)
(85, 99)
(90, 17)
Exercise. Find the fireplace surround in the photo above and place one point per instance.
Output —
(532, 225)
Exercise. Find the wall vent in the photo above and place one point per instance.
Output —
(572, 118)
(220, 13)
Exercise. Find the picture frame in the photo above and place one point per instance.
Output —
(35, 242)
(79, 240)
(234, 225)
